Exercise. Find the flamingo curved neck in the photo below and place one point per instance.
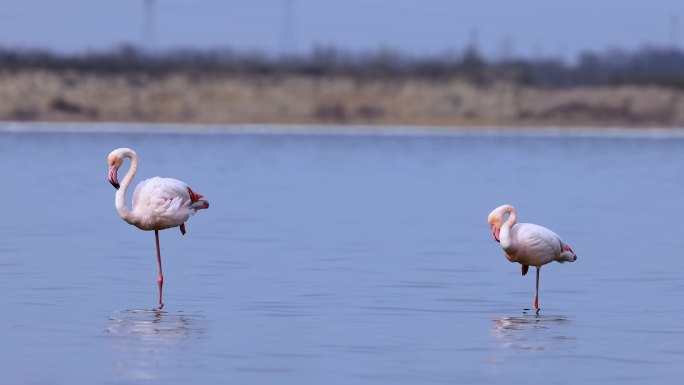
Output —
(120, 198)
(505, 233)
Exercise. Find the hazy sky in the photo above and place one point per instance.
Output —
(523, 27)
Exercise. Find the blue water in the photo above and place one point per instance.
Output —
(342, 259)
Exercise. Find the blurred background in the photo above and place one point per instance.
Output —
(335, 258)
(490, 62)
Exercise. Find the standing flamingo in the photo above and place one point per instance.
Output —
(527, 243)
(158, 203)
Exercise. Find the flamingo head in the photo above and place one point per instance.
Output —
(115, 159)
(495, 225)
(495, 233)
(496, 219)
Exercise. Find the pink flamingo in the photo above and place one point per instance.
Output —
(158, 203)
(527, 243)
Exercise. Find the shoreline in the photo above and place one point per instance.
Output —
(203, 99)
(335, 130)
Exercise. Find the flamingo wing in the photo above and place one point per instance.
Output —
(162, 203)
(537, 245)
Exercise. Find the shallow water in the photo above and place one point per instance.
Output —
(342, 259)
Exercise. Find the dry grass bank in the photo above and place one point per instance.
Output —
(60, 96)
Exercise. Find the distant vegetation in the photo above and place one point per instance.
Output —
(652, 66)
(644, 88)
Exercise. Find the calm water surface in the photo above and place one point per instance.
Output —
(337, 259)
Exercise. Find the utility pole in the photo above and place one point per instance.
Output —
(507, 46)
(674, 32)
(287, 33)
(148, 27)
(473, 39)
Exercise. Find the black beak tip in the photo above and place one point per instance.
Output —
(116, 185)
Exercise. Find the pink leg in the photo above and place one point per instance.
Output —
(160, 279)
(536, 294)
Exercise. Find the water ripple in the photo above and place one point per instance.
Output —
(145, 341)
(532, 331)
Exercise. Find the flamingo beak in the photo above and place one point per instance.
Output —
(113, 177)
(495, 233)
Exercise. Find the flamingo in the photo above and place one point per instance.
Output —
(158, 203)
(527, 243)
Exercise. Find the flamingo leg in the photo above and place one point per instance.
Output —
(160, 279)
(536, 294)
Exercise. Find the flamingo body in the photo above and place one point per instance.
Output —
(162, 203)
(158, 203)
(534, 245)
(527, 243)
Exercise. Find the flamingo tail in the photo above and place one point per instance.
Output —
(196, 201)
